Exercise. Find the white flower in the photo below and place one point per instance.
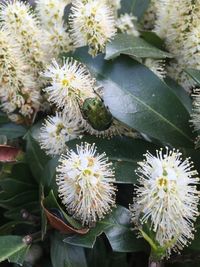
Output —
(59, 41)
(178, 23)
(85, 184)
(167, 198)
(115, 4)
(17, 86)
(57, 131)
(126, 24)
(51, 12)
(70, 84)
(92, 23)
(22, 25)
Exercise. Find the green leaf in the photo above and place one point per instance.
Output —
(195, 74)
(123, 152)
(181, 93)
(152, 38)
(64, 255)
(51, 202)
(137, 7)
(138, 98)
(11, 130)
(117, 228)
(48, 176)
(3, 118)
(133, 46)
(17, 200)
(36, 157)
(13, 249)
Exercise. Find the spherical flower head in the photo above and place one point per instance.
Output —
(167, 198)
(126, 23)
(56, 132)
(85, 184)
(92, 23)
(69, 84)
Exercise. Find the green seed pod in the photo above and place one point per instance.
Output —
(96, 114)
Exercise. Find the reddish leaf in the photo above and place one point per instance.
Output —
(61, 226)
(9, 154)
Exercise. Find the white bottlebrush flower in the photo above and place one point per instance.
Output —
(92, 23)
(126, 23)
(85, 184)
(59, 41)
(70, 84)
(167, 198)
(22, 25)
(17, 86)
(56, 131)
(157, 66)
(51, 12)
(178, 24)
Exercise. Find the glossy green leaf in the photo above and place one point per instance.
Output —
(133, 46)
(153, 39)
(123, 152)
(48, 176)
(17, 200)
(11, 130)
(138, 98)
(195, 74)
(65, 255)
(36, 157)
(13, 249)
(118, 230)
(3, 118)
(137, 7)
(183, 96)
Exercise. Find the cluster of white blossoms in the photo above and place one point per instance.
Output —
(85, 184)
(26, 48)
(178, 24)
(126, 23)
(70, 84)
(92, 23)
(17, 86)
(50, 13)
(167, 198)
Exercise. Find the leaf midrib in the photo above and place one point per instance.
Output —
(143, 103)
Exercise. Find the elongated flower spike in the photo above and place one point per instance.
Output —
(92, 23)
(166, 201)
(20, 22)
(85, 183)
